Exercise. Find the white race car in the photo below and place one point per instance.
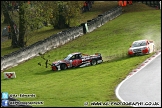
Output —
(141, 47)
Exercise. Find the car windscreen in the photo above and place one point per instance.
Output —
(68, 57)
(138, 44)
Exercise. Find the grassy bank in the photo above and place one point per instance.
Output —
(40, 34)
(73, 87)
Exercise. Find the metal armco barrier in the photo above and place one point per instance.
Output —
(14, 58)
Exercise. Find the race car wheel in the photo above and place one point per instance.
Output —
(93, 62)
(63, 66)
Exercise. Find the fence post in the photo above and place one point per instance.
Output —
(84, 28)
(160, 4)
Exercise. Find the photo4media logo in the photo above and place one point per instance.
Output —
(4, 103)
(4, 95)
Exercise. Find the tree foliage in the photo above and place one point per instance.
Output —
(10, 22)
(65, 13)
(60, 14)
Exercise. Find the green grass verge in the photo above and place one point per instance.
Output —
(70, 87)
(73, 87)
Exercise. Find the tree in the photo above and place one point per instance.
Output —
(29, 19)
(21, 24)
(25, 20)
(11, 23)
(65, 13)
(61, 14)
(73, 12)
(3, 11)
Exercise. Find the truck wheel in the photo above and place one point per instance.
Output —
(93, 62)
(63, 66)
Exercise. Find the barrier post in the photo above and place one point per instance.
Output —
(160, 4)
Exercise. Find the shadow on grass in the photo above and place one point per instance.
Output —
(45, 31)
(46, 72)
(7, 79)
(8, 50)
(54, 72)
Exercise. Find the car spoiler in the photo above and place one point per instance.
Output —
(98, 54)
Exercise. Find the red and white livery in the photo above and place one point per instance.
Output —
(77, 59)
(141, 47)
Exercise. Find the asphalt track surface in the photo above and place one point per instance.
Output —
(143, 88)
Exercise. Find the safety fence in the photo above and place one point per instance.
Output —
(14, 58)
